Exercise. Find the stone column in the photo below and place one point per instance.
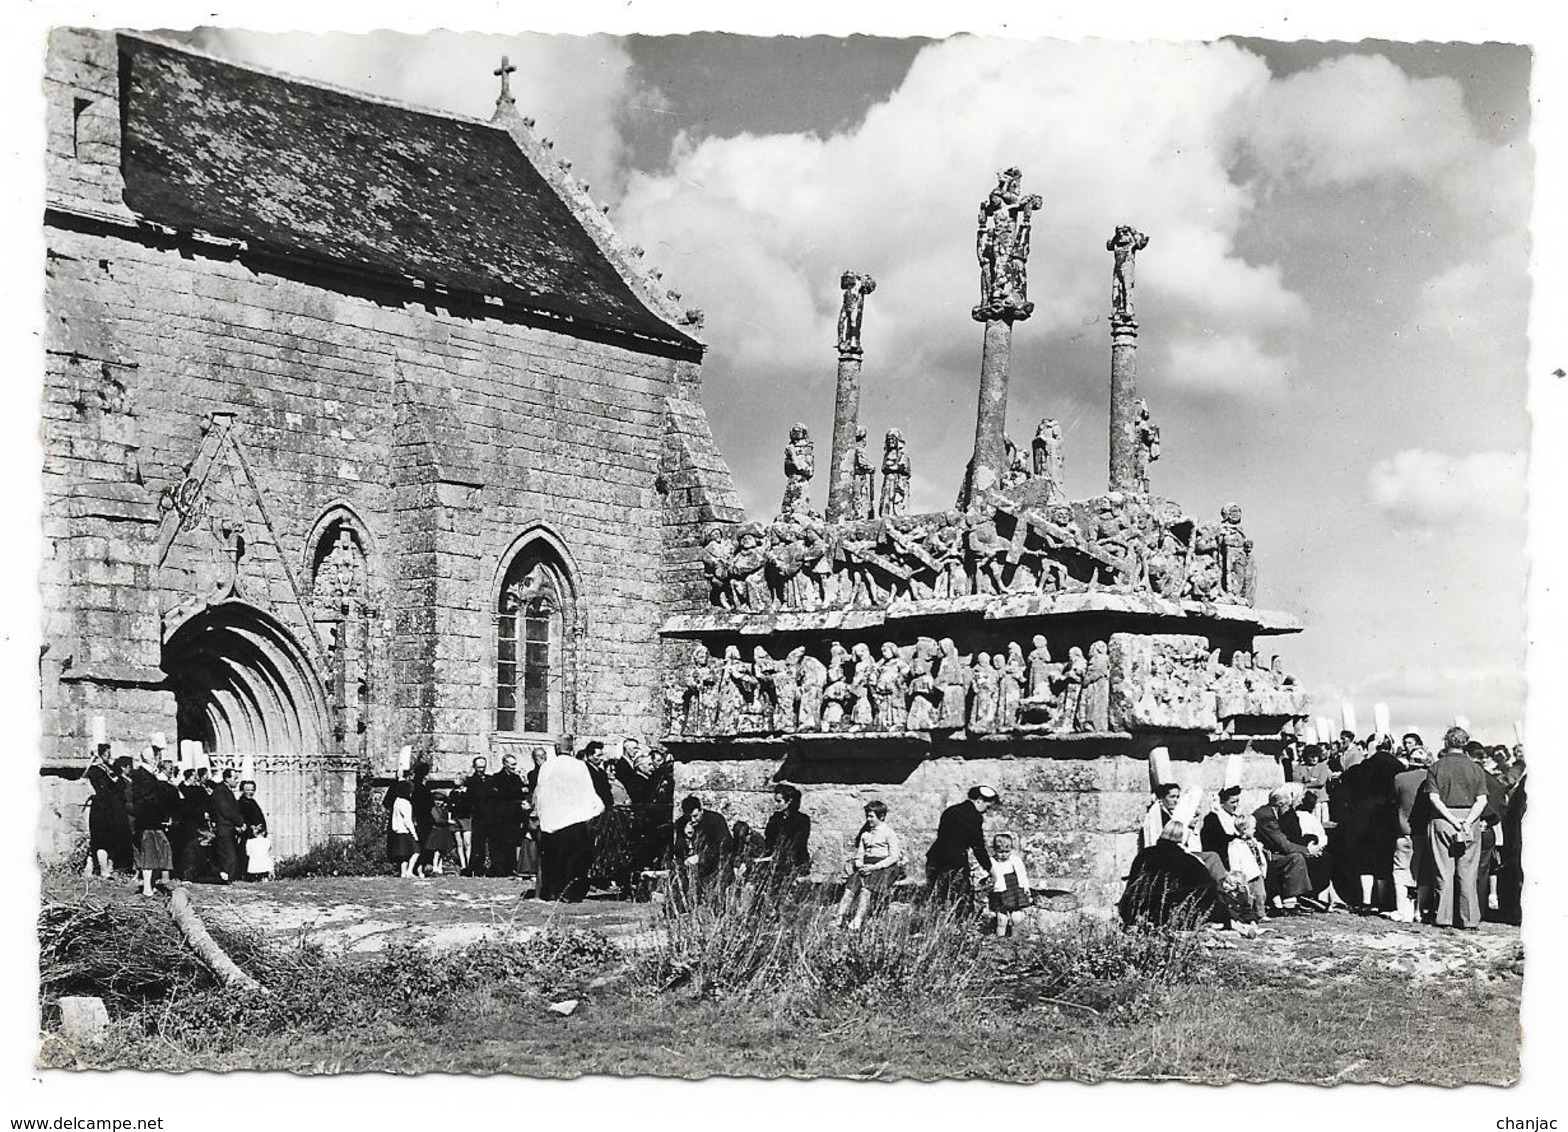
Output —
(846, 417)
(846, 407)
(990, 456)
(1124, 245)
(1124, 405)
(1002, 246)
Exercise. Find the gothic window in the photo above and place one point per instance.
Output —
(533, 643)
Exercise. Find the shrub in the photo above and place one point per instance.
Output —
(741, 945)
(309, 991)
(125, 953)
(362, 855)
(1100, 965)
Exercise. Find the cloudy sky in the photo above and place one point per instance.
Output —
(1333, 300)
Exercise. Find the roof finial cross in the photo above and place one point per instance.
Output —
(504, 72)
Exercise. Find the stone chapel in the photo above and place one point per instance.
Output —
(361, 428)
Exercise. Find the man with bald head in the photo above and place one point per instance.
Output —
(1286, 880)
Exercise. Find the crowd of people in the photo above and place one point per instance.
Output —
(589, 818)
(160, 822)
(1362, 825)
(571, 819)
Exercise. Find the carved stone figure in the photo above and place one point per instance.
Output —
(861, 681)
(1232, 542)
(1094, 700)
(1125, 246)
(836, 696)
(863, 497)
(916, 575)
(816, 563)
(987, 556)
(947, 545)
(748, 582)
(1117, 543)
(776, 689)
(1009, 686)
(736, 684)
(1017, 471)
(1048, 459)
(718, 550)
(895, 476)
(1246, 573)
(1166, 561)
(1147, 450)
(813, 680)
(922, 685)
(1072, 680)
(852, 310)
(1002, 238)
(1203, 564)
(890, 689)
(784, 558)
(1041, 670)
(800, 464)
(984, 680)
(697, 693)
(952, 681)
(341, 574)
(764, 705)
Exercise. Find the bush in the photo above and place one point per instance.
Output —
(362, 855)
(1100, 965)
(741, 945)
(309, 991)
(126, 953)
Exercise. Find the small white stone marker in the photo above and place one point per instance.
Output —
(82, 1019)
(564, 1007)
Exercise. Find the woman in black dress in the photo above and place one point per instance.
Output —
(787, 840)
(108, 814)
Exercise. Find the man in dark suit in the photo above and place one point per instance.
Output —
(226, 820)
(1286, 879)
(507, 792)
(481, 805)
(960, 832)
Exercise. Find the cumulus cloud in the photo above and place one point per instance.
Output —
(756, 224)
(1231, 364)
(1417, 488)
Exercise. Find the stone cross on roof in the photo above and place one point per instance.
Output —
(505, 103)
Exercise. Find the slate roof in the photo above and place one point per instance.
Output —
(309, 170)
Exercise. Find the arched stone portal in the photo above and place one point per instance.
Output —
(243, 686)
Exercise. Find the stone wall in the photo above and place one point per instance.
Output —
(1076, 817)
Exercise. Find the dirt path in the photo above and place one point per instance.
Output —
(1314, 949)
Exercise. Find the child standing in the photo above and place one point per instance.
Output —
(1010, 891)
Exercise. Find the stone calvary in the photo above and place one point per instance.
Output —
(1041, 644)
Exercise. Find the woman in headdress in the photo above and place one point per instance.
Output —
(108, 813)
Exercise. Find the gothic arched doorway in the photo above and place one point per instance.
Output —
(244, 687)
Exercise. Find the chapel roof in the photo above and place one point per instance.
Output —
(368, 184)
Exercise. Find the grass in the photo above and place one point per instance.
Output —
(736, 989)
